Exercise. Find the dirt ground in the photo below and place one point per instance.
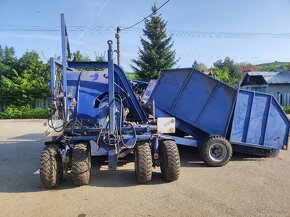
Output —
(247, 186)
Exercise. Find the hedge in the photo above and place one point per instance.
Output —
(287, 109)
(25, 112)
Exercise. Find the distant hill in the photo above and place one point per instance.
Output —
(273, 63)
(274, 66)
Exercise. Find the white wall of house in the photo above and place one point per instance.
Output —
(278, 88)
(280, 91)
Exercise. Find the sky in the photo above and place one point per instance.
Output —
(253, 31)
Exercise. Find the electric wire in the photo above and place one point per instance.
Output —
(129, 27)
(174, 32)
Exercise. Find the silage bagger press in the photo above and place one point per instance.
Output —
(96, 113)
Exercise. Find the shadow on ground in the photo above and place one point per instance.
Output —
(19, 163)
(190, 158)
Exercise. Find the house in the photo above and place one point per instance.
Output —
(275, 83)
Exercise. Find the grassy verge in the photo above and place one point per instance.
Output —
(24, 112)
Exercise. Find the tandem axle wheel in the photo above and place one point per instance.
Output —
(169, 161)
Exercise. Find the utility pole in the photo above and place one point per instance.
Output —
(117, 35)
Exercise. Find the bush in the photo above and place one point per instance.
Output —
(286, 109)
(25, 112)
(131, 76)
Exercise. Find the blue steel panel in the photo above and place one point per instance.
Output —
(277, 127)
(149, 90)
(88, 93)
(111, 84)
(73, 83)
(241, 117)
(123, 82)
(194, 97)
(64, 56)
(199, 101)
(259, 121)
(169, 86)
(52, 75)
(217, 114)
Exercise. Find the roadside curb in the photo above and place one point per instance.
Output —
(22, 120)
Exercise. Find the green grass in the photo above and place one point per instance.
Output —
(25, 112)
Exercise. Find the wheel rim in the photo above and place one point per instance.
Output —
(217, 152)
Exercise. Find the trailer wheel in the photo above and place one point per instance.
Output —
(169, 160)
(51, 170)
(215, 151)
(81, 164)
(143, 162)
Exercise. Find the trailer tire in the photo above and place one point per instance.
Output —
(51, 168)
(215, 151)
(143, 162)
(169, 160)
(81, 164)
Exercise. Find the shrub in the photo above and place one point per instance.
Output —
(25, 112)
(286, 109)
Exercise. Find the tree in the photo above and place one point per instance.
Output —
(8, 62)
(222, 75)
(100, 58)
(200, 67)
(227, 66)
(77, 56)
(194, 65)
(156, 53)
(23, 80)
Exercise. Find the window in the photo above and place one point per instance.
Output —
(258, 89)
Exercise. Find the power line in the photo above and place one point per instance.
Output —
(174, 32)
(92, 22)
(145, 17)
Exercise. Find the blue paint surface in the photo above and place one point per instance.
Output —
(196, 100)
(259, 121)
(203, 105)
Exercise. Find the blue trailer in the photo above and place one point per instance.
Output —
(96, 113)
(218, 117)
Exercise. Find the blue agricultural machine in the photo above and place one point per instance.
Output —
(96, 113)
(217, 118)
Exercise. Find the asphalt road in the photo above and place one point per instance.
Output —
(247, 186)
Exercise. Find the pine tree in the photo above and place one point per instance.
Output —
(156, 53)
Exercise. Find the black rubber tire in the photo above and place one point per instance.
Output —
(51, 169)
(81, 164)
(205, 150)
(169, 160)
(143, 162)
